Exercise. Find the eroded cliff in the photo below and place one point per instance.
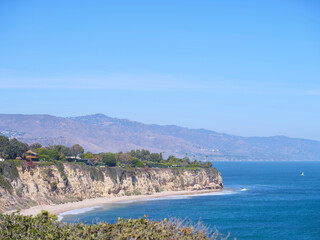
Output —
(22, 186)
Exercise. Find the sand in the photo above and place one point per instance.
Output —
(60, 208)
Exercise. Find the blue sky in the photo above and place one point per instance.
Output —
(249, 68)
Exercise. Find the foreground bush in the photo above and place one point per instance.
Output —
(46, 226)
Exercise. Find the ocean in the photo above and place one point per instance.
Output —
(271, 200)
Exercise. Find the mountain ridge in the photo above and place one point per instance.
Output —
(101, 133)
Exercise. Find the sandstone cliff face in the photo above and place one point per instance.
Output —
(69, 182)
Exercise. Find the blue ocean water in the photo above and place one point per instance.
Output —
(271, 201)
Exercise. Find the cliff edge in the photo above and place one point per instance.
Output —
(23, 186)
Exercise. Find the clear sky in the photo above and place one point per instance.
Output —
(250, 68)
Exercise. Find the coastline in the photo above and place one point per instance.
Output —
(95, 202)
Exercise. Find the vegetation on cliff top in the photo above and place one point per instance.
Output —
(46, 226)
(10, 149)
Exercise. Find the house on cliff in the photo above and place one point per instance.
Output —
(32, 156)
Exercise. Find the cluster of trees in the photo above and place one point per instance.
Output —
(56, 152)
(10, 149)
(145, 155)
(13, 148)
(187, 162)
(156, 160)
(113, 159)
(141, 158)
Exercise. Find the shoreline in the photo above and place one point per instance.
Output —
(96, 202)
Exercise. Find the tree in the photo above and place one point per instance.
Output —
(155, 157)
(97, 158)
(34, 146)
(44, 157)
(50, 147)
(87, 155)
(66, 151)
(4, 143)
(209, 164)
(16, 148)
(124, 158)
(137, 163)
(52, 153)
(171, 159)
(76, 149)
(186, 160)
(60, 148)
(145, 155)
(110, 159)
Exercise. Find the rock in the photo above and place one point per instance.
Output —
(34, 184)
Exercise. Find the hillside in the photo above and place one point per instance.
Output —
(99, 133)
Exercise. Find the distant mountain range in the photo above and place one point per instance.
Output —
(100, 133)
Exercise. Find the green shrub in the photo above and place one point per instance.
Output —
(49, 153)
(181, 181)
(5, 184)
(137, 163)
(44, 157)
(127, 193)
(109, 159)
(18, 163)
(87, 155)
(136, 192)
(9, 169)
(8, 173)
(44, 164)
(46, 226)
(79, 163)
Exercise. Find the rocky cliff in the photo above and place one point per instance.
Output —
(22, 186)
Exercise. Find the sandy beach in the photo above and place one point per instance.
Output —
(60, 208)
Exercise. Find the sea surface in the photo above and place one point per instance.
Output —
(271, 201)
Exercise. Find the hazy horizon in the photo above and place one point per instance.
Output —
(133, 120)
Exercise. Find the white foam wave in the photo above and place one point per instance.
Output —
(77, 211)
(155, 199)
(243, 189)
(178, 197)
(224, 192)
